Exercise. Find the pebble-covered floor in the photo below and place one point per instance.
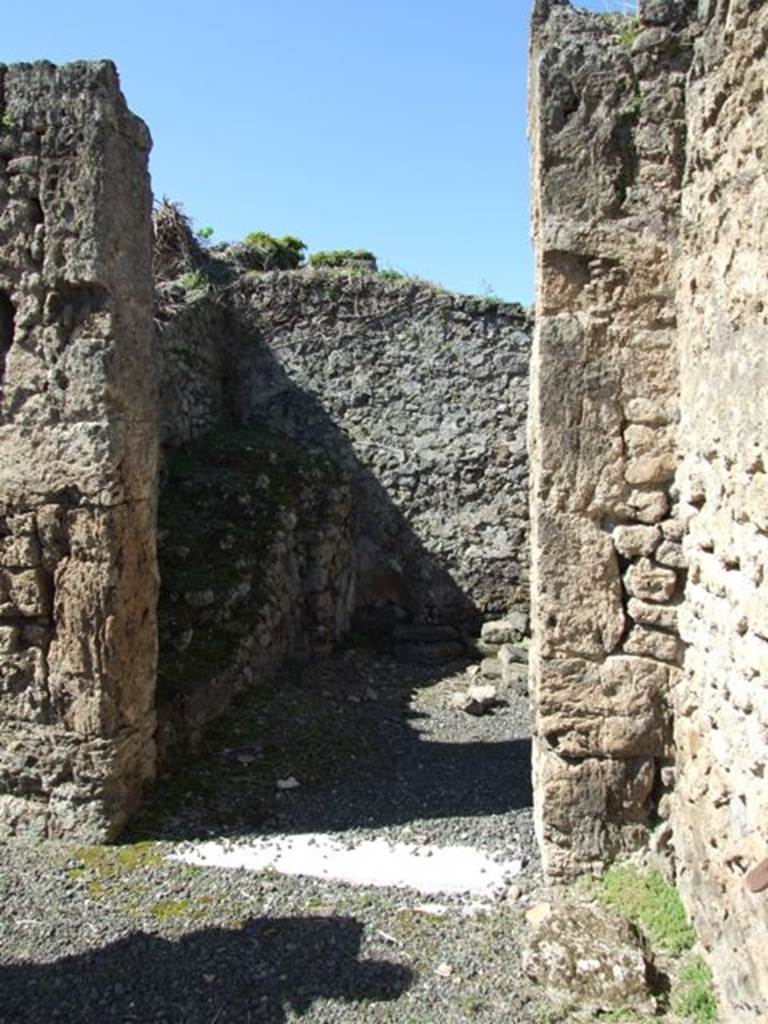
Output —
(130, 933)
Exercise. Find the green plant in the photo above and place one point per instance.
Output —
(269, 253)
(342, 258)
(194, 280)
(625, 24)
(694, 997)
(649, 901)
(392, 275)
(164, 909)
(7, 122)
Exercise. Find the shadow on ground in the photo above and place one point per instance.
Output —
(345, 729)
(253, 974)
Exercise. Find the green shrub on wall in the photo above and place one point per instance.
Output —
(265, 252)
(343, 258)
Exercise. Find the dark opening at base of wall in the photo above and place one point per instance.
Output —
(7, 317)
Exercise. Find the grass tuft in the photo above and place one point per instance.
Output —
(694, 998)
(649, 901)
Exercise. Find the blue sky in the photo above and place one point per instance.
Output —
(397, 126)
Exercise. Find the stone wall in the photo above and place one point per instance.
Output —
(78, 433)
(340, 451)
(608, 130)
(256, 569)
(721, 725)
(648, 432)
(420, 396)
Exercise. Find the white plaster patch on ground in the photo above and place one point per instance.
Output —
(428, 869)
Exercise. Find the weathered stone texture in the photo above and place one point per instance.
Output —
(721, 802)
(198, 362)
(607, 130)
(256, 565)
(77, 453)
(691, 308)
(360, 445)
(587, 957)
(420, 396)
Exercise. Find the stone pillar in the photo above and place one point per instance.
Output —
(607, 126)
(78, 437)
(720, 810)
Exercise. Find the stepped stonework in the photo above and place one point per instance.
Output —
(648, 456)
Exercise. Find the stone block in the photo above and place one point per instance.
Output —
(491, 668)
(652, 643)
(503, 631)
(510, 654)
(579, 606)
(636, 541)
(617, 708)
(650, 582)
(30, 592)
(659, 615)
(673, 529)
(588, 956)
(589, 810)
(670, 554)
(647, 506)
(656, 469)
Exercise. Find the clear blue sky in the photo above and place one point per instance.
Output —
(397, 126)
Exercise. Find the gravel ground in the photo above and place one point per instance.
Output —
(121, 933)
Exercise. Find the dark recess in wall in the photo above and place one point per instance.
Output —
(7, 317)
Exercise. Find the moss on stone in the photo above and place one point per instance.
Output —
(648, 900)
(227, 498)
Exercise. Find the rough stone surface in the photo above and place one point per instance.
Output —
(608, 132)
(588, 958)
(420, 395)
(373, 475)
(720, 809)
(615, 708)
(78, 441)
(256, 566)
(649, 213)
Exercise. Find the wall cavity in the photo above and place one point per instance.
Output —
(7, 322)
(370, 438)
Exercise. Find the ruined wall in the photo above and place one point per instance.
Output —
(254, 532)
(420, 396)
(650, 635)
(721, 726)
(77, 453)
(340, 452)
(255, 554)
(608, 128)
(197, 360)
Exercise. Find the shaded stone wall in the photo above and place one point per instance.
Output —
(721, 726)
(340, 452)
(78, 435)
(608, 129)
(420, 396)
(254, 532)
(256, 567)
